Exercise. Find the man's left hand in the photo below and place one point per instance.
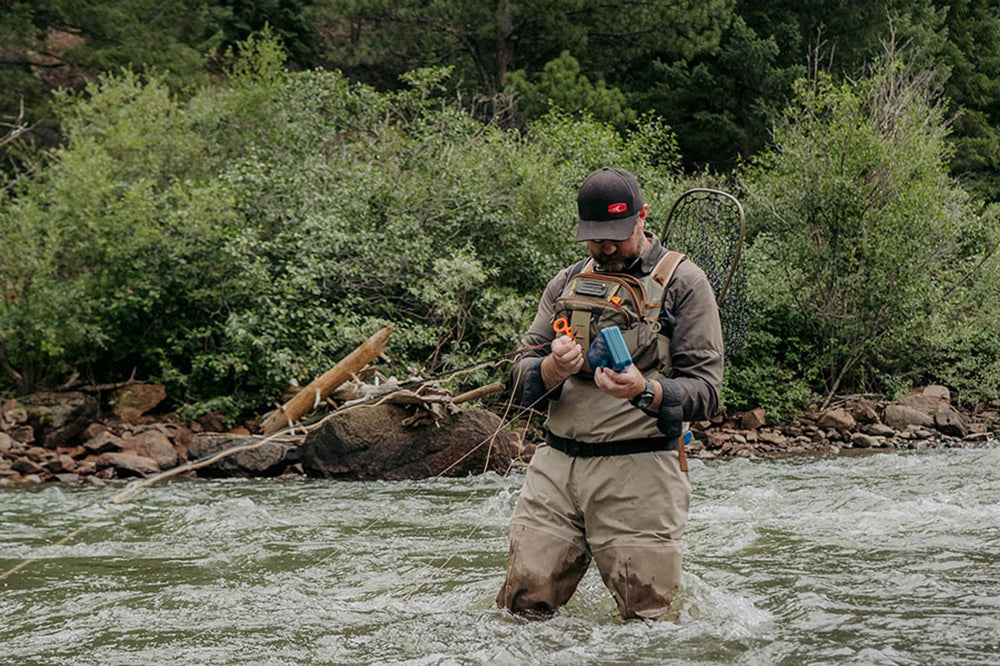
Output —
(625, 384)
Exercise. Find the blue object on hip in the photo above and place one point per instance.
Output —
(608, 349)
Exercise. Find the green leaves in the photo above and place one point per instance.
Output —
(863, 219)
(258, 231)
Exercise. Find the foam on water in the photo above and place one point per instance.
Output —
(888, 558)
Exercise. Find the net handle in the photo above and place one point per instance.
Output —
(739, 242)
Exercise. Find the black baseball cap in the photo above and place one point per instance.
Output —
(609, 202)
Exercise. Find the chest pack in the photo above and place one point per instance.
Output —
(593, 300)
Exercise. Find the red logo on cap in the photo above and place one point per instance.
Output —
(618, 208)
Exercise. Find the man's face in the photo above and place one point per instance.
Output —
(614, 256)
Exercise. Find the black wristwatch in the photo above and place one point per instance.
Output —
(646, 398)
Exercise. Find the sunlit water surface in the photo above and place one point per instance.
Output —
(883, 559)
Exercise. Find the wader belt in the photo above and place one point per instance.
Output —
(622, 447)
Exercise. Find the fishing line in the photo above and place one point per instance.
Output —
(505, 424)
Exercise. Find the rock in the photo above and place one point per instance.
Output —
(59, 418)
(153, 444)
(27, 466)
(131, 402)
(898, 417)
(127, 463)
(38, 454)
(212, 422)
(951, 423)
(977, 437)
(93, 430)
(103, 442)
(772, 438)
(68, 477)
(837, 419)
(24, 434)
(268, 459)
(751, 420)
(60, 464)
(927, 399)
(865, 412)
(12, 415)
(371, 442)
(863, 441)
(880, 430)
(7, 443)
(714, 440)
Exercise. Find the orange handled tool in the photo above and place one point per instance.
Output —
(561, 327)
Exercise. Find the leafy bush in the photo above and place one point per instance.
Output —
(261, 229)
(868, 233)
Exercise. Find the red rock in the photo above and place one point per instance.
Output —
(131, 402)
(752, 419)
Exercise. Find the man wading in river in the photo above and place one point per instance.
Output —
(611, 484)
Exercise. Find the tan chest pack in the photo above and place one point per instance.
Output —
(592, 300)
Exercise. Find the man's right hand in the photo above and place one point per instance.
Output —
(565, 360)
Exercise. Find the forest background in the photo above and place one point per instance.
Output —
(226, 195)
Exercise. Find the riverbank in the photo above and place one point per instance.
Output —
(78, 438)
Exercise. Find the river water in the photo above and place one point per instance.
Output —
(880, 559)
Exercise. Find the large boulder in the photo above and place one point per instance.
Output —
(928, 399)
(375, 442)
(59, 418)
(838, 419)
(129, 403)
(269, 458)
(951, 423)
(898, 417)
(152, 443)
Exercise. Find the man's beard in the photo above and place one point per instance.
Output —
(615, 263)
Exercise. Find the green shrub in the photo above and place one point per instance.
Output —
(868, 232)
(259, 230)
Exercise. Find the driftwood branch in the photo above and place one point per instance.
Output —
(317, 390)
(477, 393)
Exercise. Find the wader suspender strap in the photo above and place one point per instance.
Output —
(665, 267)
(662, 273)
(580, 320)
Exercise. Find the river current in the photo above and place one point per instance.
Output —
(887, 558)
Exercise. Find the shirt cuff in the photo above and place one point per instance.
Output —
(670, 419)
(531, 389)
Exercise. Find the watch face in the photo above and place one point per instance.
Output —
(645, 399)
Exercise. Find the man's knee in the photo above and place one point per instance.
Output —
(643, 580)
(543, 571)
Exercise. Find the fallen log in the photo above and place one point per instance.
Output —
(319, 388)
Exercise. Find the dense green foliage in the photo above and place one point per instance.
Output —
(868, 241)
(225, 215)
(718, 72)
(258, 231)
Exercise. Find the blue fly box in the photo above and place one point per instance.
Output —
(608, 349)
